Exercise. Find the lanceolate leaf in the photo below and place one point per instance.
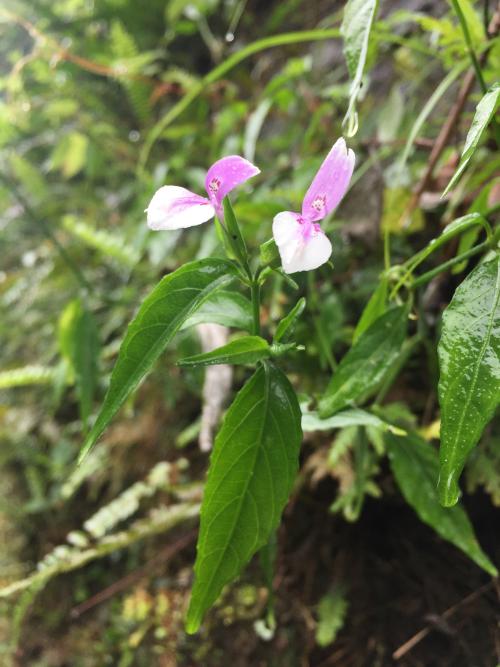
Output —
(231, 309)
(415, 466)
(458, 226)
(363, 368)
(375, 307)
(172, 301)
(484, 113)
(469, 361)
(246, 350)
(285, 327)
(79, 343)
(356, 26)
(253, 466)
(344, 419)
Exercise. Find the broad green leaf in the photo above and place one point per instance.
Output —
(374, 309)
(469, 362)
(246, 350)
(363, 368)
(415, 466)
(252, 470)
(175, 298)
(354, 417)
(355, 29)
(286, 325)
(79, 344)
(230, 309)
(484, 113)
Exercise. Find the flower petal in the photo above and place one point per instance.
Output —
(330, 183)
(226, 174)
(302, 244)
(173, 207)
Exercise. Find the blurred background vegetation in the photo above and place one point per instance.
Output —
(96, 562)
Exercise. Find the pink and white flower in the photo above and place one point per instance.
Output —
(173, 207)
(302, 244)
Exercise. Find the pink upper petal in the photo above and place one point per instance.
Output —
(226, 174)
(173, 207)
(330, 183)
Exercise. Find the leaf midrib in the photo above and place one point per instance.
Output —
(118, 396)
(243, 494)
(480, 356)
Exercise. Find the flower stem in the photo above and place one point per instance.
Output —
(427, 277)
(470, 48)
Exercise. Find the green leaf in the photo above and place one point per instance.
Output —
(252, 470)
(355, 29)
(455, 228)
(469, 361)
(70, 154)
(30, 176)
(415, 467)
(27, 375)
(109, 244)
(269, 254)
(235, 236)
(354, 417)
(332, 610)
(286, 325)
(230, 309)
(484, 113)
(175, 298)
(374, 309)
(246, 350)
(363, 368)
(253, 128)
(79, 344)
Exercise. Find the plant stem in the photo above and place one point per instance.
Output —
(427, 277)
(486, 15)
(255, 294)
(470, 48)
(387, 249)
(494, 209)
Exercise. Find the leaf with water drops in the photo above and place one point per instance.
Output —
(469, 362)
(414, 463)
(485, 111)
(252, 470)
